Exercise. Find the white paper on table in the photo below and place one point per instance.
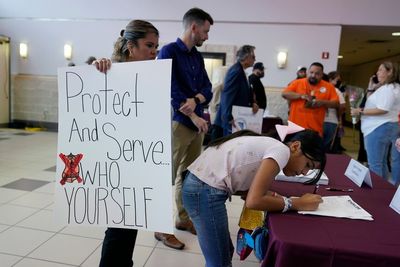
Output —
(341, 207)
(324, 180)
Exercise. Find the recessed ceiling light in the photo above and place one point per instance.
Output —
(395, 33)
(339, 56)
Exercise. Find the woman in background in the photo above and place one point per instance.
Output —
(379, 122)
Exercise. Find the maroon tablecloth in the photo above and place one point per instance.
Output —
(305, 240)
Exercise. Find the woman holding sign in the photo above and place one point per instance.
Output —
(246, 163)
(139, 41)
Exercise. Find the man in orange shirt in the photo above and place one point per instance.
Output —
(309, 98)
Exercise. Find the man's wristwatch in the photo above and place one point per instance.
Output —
(197, 100)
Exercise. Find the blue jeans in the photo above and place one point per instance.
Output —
(377, 144)
(206, 208)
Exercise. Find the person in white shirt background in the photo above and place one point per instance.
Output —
(379, 122)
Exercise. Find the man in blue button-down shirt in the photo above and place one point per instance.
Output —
(190, 91)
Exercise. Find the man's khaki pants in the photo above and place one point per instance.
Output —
(186, 147)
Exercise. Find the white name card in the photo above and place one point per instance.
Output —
(395, 204)
(358, 173)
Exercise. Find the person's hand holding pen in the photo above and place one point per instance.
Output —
(307, 202)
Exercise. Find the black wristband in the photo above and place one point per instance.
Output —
(197, 100)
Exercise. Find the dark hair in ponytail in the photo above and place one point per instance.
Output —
(135, 30)
(311, 145)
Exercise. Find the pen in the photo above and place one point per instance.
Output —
(316, 188)
(339, 189)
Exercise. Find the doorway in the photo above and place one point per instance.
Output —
(5, 100)
(363, 48)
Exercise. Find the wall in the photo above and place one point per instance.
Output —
(354, 12)
(276, 104)
(35, 101)
(359, 75)
(46, 40)
(303, 28)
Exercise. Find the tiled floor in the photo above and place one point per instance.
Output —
(30, 238)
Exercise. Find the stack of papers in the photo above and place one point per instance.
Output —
(324, 180)
(341, 207)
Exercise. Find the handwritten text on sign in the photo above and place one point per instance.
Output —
(114, 146)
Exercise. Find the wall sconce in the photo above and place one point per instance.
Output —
(68, 51)
(282, 59)
(23, 50)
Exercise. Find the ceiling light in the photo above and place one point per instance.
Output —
(395, 33)
(339, 56)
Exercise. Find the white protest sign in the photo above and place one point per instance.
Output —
(114, 146)
(358, 173)
(395, 203)
(244, 118)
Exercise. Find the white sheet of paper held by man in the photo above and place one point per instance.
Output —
(244, 118)
(324, 180)
(341, 207)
